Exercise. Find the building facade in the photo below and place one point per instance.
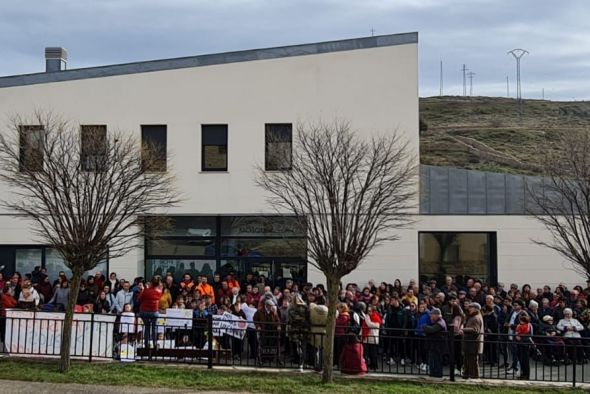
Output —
(213, 115)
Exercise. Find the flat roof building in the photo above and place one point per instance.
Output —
(212, 113)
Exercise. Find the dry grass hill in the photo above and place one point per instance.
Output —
(490, 134)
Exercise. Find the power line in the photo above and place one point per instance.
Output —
(464, 69)
(470, 74)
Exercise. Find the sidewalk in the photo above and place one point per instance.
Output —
(19, 387)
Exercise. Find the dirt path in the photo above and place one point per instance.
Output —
(16, 387)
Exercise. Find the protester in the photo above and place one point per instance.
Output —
(435, 332)
(149, 302)
(473, 333)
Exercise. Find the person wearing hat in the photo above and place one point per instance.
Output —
(473, 332)
(436, 342)
(554, 346)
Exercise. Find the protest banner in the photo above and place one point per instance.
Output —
(229, 324)
(39, 333)
(180, 318)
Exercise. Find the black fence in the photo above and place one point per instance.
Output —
(226, 342)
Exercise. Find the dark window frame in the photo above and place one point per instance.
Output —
(162, 152)
(205, 144)
(219, 257)
(24, 143)
(99, 154)
(268, 130)
(492, 238)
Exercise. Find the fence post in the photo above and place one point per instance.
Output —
(210, 341)
(451, 331)
(574, 364)
(91, 336)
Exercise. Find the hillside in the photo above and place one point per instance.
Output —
(487, 133)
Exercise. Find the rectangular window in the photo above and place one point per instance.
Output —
(459, 255)
(31, 143)
(278, 146)
(154, 145)
(93, 148)
(214, 147)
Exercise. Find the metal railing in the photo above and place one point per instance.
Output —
(214, 341)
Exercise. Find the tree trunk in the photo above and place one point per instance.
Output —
(64, 365)
(328, 359)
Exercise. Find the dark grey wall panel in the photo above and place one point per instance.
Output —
(458, 202)
(453, 191)
(495, 193)
(476, 181)
(439, 187)
(514, 194)
(532, 185)
(425, 189)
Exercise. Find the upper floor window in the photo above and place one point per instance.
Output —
(154, 145)
(278, 146)
(31, 143)
(214, 147)
(93, 147)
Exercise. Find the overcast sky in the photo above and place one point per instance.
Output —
(475, 32)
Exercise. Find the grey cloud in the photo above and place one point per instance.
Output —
(475, 32)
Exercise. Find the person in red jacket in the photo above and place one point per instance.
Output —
(149, 302)
(352, 360)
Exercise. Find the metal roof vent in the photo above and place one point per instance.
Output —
(56, 59)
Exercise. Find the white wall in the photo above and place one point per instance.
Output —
(520, 260)
(376, 89)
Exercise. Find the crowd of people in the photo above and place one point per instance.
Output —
(411, 325)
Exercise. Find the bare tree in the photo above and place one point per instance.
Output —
(87, 192)
(561, 202)
(352, 193)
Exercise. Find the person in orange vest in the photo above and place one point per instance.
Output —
(231, 282)
(205, 289)
(187, 282)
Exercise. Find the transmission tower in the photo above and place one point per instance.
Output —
(518, 53)
(470, 74)
(464, 69)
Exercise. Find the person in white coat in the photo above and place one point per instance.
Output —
(570, 329)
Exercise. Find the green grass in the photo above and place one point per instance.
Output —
(181, 377)
(497, 123)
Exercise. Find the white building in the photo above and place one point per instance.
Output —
(213, 111)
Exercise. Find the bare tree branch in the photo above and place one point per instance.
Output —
(87, 192)
(352, 193)
(563, 203)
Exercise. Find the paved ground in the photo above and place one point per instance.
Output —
(14, 387)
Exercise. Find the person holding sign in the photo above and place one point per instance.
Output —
(149, 302)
